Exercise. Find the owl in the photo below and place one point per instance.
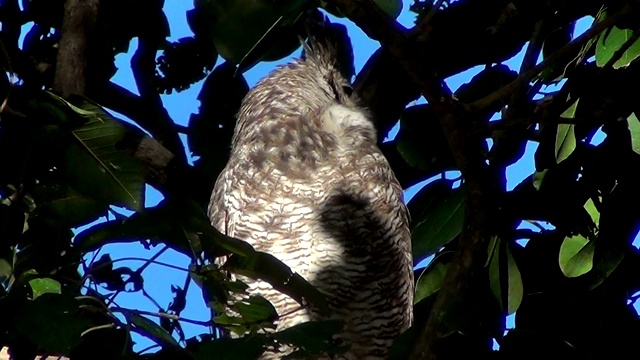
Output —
(307, 183)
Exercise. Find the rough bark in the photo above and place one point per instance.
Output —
(77, 24)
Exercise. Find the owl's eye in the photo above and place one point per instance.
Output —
(347, 89)
(340, 88)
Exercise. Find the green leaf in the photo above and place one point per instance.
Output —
(393, 8)
(593, 212)
(611, 41)
(576, 255)
(224, 319)
(235, 286)
(312, 336)
(96, 167)
(577, 252)
(570, 113)
(565, 141)
(421, 141)
(430, 279)
(565, 135)
(151, 330)
(95, 163)
(165, 223)
(246, 348)
(403, 344)
(610, 260)
(429, 196)
(72, 208)
(236, 26)
(634, 129)
(40, 286)
(273, 36)
(256, 309)
(538, 178)
(260, 265)
(51, 322)
(553, 42)
(6, 269)
(503, 270)
(439, 225)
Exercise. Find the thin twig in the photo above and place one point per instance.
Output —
(139, 271)
(424, 22)
(568, 50)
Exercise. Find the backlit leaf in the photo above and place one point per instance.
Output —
(576, 255)
(611, 41)
(441, 224)
(634, 129)
(503, 270)
(41, 286)
(151, 330)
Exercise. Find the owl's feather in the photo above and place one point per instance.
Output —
(307, 183)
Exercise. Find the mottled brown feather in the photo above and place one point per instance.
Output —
(307, 183)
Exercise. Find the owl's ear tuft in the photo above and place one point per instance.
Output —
(328, 45)
(319, 51)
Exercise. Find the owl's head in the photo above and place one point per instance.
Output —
(313, 81)
(296, 90)
(323, 55)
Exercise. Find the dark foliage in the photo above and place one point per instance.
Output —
(65, 161)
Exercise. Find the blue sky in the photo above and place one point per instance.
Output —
(158, 278)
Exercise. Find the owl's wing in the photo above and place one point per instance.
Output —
(220, 216)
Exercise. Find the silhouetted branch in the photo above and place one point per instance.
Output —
(77, 25)
(567, 51)
(467, 266)
(155, 120)
(143, 65)
(474, 45)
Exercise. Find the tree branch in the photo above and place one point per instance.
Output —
(466, 270)
(157, 122)
(77, 24)
(474, 45)
(466, 145)
(571, 49)
(143, 65)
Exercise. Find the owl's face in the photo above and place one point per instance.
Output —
(317, 82)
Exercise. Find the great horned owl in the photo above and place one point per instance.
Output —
(307, 183)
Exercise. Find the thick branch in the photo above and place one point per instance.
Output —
(143, 64)
(77, 25)
(175, 179)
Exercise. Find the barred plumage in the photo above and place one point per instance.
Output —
(307, 183)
